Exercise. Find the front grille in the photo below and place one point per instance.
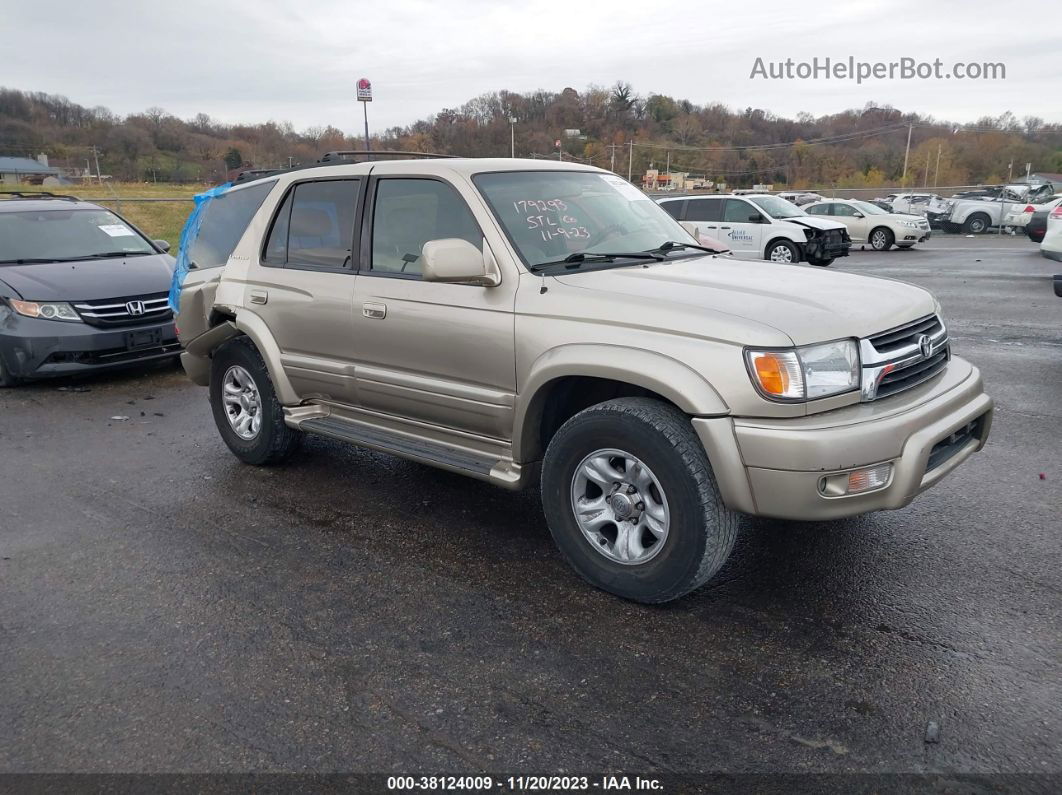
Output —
(899, 338)
(112, 355)
(899, 380)
(897, 360)
(111, 312)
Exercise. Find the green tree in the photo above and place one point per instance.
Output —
(233, 158)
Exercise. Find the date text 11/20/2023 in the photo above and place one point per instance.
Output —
(524, 783)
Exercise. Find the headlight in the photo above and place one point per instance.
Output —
(55, 310)
(806, 373)
(914, 224)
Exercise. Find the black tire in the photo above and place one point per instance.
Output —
(275, 441)
(776, 246)
(881, 238)
(977, 224)
(6, 379)
(702, 530)
(822, 263)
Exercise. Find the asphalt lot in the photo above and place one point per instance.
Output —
(165, 608)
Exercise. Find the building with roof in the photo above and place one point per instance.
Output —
(25, 169)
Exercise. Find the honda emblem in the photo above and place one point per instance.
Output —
(135, 308)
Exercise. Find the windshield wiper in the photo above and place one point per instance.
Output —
(671, 245)
(27, 261)
(111, 254)
(581, 257)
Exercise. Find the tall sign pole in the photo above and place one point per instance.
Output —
(365, 97)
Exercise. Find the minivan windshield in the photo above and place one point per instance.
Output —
(554, 216)
(63, 235)
(776, 207)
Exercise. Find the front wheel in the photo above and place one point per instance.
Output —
(881, 239)
(246, 409)
(782, 251)
(632, 503)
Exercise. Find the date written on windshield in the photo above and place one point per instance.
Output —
(552, 220)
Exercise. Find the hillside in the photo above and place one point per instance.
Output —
(617, 128)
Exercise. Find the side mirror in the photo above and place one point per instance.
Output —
(456, 261)
(857, 215)
(163, 244)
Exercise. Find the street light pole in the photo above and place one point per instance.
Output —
(512, 136)
(906, 156)
(630, 160)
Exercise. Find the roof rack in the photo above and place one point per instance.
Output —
(37, 194)
(370, 154)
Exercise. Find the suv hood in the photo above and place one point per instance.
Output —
(807, 304)
(90, 280)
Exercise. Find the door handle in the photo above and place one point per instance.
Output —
(709, 227)
(724, 227)
(374, 311)
(259, 297)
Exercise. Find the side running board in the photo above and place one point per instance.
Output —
(499, 471)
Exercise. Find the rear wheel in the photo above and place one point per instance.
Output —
(881, 239)
(976, 224)
(246, 409)
(782, 251)
(632, 503)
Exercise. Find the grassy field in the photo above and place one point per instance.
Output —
(159, 220)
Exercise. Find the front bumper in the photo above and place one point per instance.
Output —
(34, 348)
(778, 468)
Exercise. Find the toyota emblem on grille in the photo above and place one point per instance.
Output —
(925, 345)
(135, 308)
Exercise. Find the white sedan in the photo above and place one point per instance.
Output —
(1051, 247)
(868, 223)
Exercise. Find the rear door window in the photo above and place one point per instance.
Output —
(314, 227)
(704, 210)
(674, 209)
(225, 219)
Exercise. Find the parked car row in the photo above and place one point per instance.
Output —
(761, 226)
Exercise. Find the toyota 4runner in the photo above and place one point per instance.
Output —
(510, 320)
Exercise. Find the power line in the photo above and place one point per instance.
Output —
(763, 147)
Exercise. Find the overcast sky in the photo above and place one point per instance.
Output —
(297, 60)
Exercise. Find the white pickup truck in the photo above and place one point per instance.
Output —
(976, 215)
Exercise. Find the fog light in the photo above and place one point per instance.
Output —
(857, 482)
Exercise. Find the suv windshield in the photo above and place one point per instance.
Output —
(553, 215)
(776, 207)
(58, 235)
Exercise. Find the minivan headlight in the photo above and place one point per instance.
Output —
(805, 373)
(54, 310)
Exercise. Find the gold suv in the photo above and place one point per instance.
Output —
(512, 319)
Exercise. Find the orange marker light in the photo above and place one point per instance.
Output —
(772, 373)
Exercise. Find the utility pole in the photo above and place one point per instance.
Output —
(925, 183)
(612, 157)
(936, 172)
(906, 155)
(630, 160)
(1003, 197)
(96, 154)
(512, 136)
(669, 169)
